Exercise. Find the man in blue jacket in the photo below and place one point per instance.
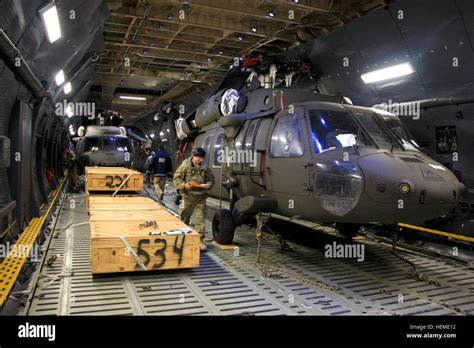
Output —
(160, 166)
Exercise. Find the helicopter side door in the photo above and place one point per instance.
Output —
(288, 159)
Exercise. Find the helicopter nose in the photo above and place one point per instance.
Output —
(414, 188)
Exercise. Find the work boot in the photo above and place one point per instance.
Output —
(202, 245)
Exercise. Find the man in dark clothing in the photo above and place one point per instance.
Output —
(147, 167)
(160, 166)
(70, 163)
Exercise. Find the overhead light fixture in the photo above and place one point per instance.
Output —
(161, 26)
(170, 17)
(388, 73)
(132, 98)
(152, 136)
(253, 29)
(271, 14)
(60, 78)
(67, 88)
(209, 59)
(240, 38)
(50, 19)
(295, 1)
(221, 53)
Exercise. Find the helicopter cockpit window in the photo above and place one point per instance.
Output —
(108, 144)
(112, 144)
(91, 144)
(334, 129)
(286, 138)
(401, 132)
(250, 135)
(217, 149)
(376, 131)
(206, 144)
(122, 145)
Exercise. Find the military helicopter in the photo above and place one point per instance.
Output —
(318, 157)
(103, 146)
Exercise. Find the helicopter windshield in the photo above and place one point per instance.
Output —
(333, 129)
(115, 144)
(91, 144)
(402, 133)
(376, 129)
(106, 144)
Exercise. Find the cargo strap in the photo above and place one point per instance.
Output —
(128, 247)
(123, 183)
(134, 254)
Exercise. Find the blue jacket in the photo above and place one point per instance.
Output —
(160, 163)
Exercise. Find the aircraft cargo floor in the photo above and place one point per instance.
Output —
(298, 282)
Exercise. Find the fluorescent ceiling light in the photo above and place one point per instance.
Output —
(67, 88)
(49, 16)
(388, 73)
(132, 98)
(60, 78)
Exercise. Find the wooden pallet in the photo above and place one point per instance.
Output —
(113, 178)
(115, 223)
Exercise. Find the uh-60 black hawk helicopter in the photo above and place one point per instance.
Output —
(318, 157)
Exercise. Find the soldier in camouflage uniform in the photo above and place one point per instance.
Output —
(193, 178)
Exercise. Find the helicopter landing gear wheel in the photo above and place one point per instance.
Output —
(223, 226)
(347, 230)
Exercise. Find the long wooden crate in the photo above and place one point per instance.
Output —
(115, 225)
(113, 178)
(107, 194)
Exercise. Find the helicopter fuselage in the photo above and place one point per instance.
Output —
(327, 162)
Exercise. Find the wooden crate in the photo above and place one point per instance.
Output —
(111, 178)
(114, 217)
(107, 194)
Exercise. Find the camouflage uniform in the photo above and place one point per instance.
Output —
(195, 198)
